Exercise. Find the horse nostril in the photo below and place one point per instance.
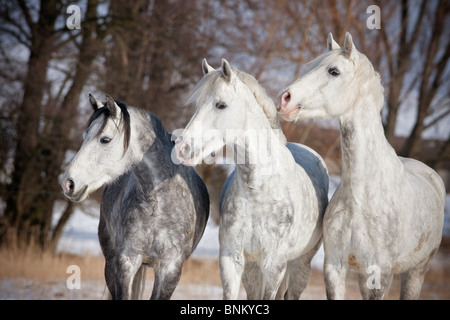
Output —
(185, 149)
(179, 139)
(70, 186)
(286, 97)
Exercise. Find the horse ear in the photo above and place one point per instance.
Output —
(226, 70)
(349, 47)
(95, 103)
(206, 67)
(112, 106)
(331, 44)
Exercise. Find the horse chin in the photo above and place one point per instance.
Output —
(190, 162)
(290, 115)
(79, 196)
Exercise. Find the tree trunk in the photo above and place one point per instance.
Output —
(430, 79)
(24, 184)
(57, 140)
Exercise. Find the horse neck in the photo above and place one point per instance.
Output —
(156, 164)
(264, 101)
(367, 156)
(259, 152)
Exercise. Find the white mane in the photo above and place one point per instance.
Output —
(265, 102)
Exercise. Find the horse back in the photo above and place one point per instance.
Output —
(427, 191)
(423, 175)
(314, 166)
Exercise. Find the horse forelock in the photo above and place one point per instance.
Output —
(125, 121)
(202, 89)
(322, 59)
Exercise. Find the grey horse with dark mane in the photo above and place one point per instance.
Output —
(153, 212)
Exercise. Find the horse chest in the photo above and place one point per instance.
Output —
(265, 228)
(355, 232)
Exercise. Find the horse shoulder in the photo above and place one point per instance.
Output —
(337, 215)
(115, 192)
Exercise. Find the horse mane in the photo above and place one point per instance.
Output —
(160, 131)
(125, 118)
(366, 75)
(264, 101)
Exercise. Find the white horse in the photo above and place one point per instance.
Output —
(272, 205)
(387, 215)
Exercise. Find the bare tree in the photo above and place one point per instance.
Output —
(154, 55)
(416, 42)
(148, 53)
(41, 118)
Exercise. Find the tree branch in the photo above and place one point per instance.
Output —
(26, 14)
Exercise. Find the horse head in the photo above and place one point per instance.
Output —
(105, 152)
(222, 101)
(328, 88)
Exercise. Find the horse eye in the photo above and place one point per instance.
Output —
(334, 72)
(105, 140)
(221, 105)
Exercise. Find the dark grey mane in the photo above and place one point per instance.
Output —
(107, 113)
(160, 131)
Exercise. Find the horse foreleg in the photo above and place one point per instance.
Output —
(299, 273)
(272, 277)
(282, 293)
(373, 285)
(411, 284)
(231, 269)
(252, 280)
(412, 280)
(126, 268)
(110, 277)
(167, 276)
(335, 275)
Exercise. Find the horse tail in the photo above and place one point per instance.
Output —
(138, 283)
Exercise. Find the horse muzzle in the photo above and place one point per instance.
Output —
(285, 110)
(185, 152)
(70, 191)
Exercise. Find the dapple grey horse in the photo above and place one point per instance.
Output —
(153, 212)
(272, 205)
(386, 217)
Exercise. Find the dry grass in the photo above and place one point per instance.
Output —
(32, 264)
(48, 270)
